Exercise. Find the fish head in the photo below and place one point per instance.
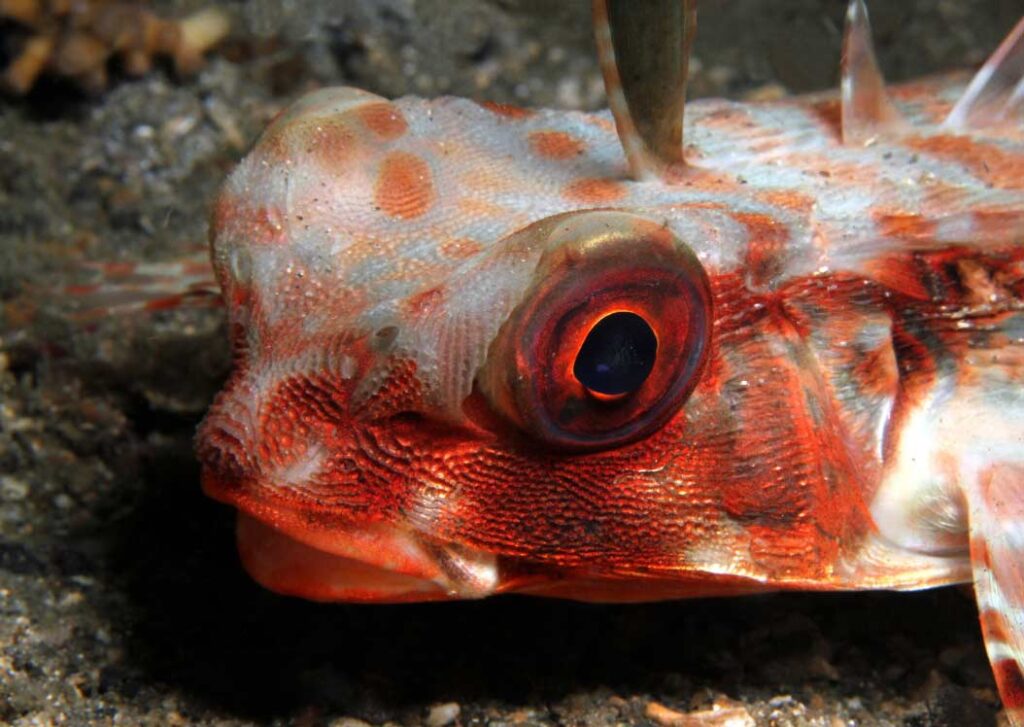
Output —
(472, 356)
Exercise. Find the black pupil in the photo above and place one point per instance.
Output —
(617, 356)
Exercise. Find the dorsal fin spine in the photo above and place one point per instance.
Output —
(867, 110)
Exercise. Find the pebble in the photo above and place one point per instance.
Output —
(724, 713)
(13, 489)
(441, 715)
(348, 722)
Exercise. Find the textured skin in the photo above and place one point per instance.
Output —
(857, 422)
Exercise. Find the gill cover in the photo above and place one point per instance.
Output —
(610, 337)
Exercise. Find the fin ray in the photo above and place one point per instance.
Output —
(126, 287)
(644, 51)
(867, 110)
(996, 93)
(996, 502)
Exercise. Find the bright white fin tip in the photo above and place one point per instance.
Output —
(867, 111)
(996, 93)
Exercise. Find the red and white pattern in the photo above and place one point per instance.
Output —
(858, 421)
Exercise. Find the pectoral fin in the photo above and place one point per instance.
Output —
(996, 505)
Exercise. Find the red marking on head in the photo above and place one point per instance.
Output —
(788, 199)
(1002, 169)
(926, 96)
(766, 246)
(383, 119)
(267, 225)
(425, 301)
(830, 113)
(993, 224)
(507, 110)
(259, 225)
(404, 188)
(555, 144)
(600, 122)
(331, 141)
(460, 248)
(1011, 683)
(906, 227)
(595, 191)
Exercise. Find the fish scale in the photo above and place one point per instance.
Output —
(835, 285)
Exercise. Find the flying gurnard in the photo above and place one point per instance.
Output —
(614, 357)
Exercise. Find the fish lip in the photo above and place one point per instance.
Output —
(289, 549)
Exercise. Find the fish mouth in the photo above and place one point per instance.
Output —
(389, 567)
(290, 551)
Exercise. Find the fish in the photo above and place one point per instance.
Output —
(664, 351)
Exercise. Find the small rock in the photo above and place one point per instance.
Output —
(441, 715)
(724, 713)
(348, 722)
(13, 489)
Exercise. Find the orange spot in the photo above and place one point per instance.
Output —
(994, 224)
(555, 144)
(987, 162)
(383, 119)
(404, 187)
(331, 142)
(766, 245)
(906, 227)
(830, 114)
(266, 225)
(787, 199)
(460, 248)
(595, 191)
(425, 301)
(507, 110)
(600, 122)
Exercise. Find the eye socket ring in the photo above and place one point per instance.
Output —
(602, 266)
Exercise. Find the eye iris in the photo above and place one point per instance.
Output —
(617, 355)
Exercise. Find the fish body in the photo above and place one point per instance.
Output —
(815, 369)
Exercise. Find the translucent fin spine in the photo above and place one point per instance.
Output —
(997, 543)
(867, 111)
(996, 93)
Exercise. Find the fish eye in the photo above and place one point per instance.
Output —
(609, 340)
(617, 355)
